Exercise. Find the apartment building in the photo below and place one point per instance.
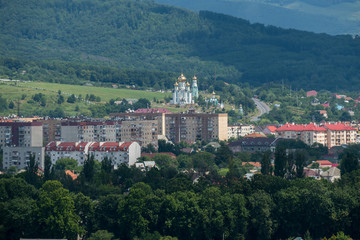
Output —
(51, 129)
(88, 131)
(142, 131)
(144, 114)
(327, 134)
(20, 156)
(236, 131)
(178, 127)
(191, 127)
(339, 134)
(117, 152)
(21, 134)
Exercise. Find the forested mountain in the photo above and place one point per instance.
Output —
(320, 16)
(149, 37)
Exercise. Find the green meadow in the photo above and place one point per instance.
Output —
(22, 92)
(104, 93)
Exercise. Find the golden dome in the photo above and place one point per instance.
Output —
(182, 78)
(213, 93)
(176, 84)
(194, 78)
(188, 84)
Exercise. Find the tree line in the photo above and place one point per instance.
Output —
(166, 203)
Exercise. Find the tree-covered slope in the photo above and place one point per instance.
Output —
(320, 16)
(143, 35)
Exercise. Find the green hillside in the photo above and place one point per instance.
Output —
(148, 44)
(23, 94)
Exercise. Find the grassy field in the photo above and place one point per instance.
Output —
(23, 92)
(104, 93)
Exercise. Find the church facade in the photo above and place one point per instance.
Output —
(183, 94)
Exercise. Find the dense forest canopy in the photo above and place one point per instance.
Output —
(166, 202)
(142, 35)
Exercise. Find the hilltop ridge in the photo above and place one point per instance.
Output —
(148, 37)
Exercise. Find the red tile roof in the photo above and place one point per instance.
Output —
(326, 105)
(324, 163)
(71, 174)
(254, 135)
(272, 128)
(311, 93)
(109, 146)
(81, 146)
(313, 127)
(254, 164)
(125, 146)
(63, 146)
(339, 127)
(300, 128)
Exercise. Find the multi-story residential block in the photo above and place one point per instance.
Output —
(191, 126)
(118, 152)
(142, 131)
(88, 131)
(178, 127)
(339, 134)
(75, 150)
(21, 134)
(328, 134)
(20, 156)
(236, 131)
(51, 129)
(145, 114)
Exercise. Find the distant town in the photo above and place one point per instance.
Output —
(122, 136)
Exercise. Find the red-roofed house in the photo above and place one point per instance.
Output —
(326, 104)
(270, 130)
(323, 113)
(255, 135)
(311, 93)
(254, 164)
(71, 174)
(324, 163)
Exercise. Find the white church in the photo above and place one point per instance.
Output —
(183, 94)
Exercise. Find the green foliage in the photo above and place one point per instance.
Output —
(154, 36)
(3, 104)
(66, 164)
(266, 168)
(11, 105)
(56, 212)
(338, 236)
(280, 161)
(101, 234)
(88, 171)
(71, 99)
(349, 162)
